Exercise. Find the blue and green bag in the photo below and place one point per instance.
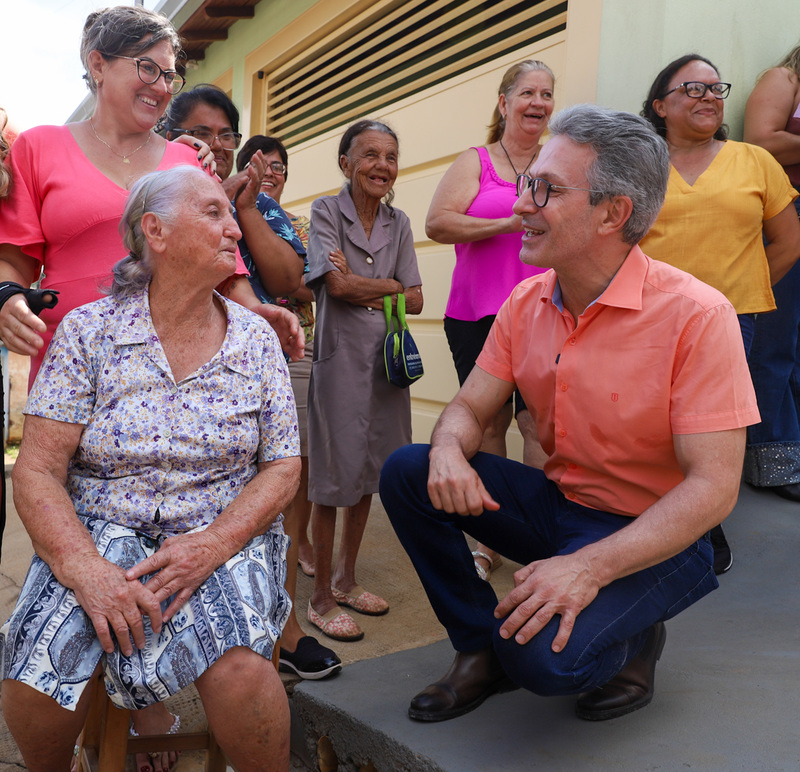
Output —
(400, 353)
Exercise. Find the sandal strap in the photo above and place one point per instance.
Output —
(176, 725)
(482, 555)
(483, 573)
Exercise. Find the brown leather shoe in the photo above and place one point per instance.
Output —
(472, 678)
(631, 688)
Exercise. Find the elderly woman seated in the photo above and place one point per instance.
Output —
(159, 449)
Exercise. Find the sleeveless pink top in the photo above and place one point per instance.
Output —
(486, 271)
(793, 127)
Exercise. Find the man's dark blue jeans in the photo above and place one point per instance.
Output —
(535, 521)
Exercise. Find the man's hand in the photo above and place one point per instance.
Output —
(115, 604)
(563, 585)
(454, 486)
(179, 567)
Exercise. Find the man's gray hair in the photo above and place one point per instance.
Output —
(631, 160)
(162, 193)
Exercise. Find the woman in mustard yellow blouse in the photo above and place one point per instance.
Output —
(720, 197)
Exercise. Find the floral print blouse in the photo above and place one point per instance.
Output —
(155, 455)
(302, 309)
(276, 218)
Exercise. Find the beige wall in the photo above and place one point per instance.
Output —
(609, 54)
(433, 126)
(463, 107)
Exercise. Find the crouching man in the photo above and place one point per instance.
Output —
(635, 374)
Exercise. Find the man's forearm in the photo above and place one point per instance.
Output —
(457, 427)
(704, 499)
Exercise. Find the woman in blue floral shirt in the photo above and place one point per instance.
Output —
(160, 448)
(270, 248)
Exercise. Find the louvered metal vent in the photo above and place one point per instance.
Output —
(390, 53)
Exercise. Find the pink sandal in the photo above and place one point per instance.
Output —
(336, 624)
(362, 601)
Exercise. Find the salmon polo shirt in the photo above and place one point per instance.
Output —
(659, 353)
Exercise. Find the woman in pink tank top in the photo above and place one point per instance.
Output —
(472, 209)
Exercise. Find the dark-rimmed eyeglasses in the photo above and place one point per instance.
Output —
(149, 72)
(229, 140)
(697, 90)
(278, 168)
(540, 189)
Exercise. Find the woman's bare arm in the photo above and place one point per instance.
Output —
(279, 266)
(769, 107)
(60, 539)
(184, 562)
(350, 287)
(783, 242)
(447, 221)
(20, 329)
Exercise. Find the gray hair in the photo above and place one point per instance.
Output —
(349, 137)
(126, 31)
(631, 160)
(161, 193)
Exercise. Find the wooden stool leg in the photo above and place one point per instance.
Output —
(103, 743)
(215, 758)
(114, 740)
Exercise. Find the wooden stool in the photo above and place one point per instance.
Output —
(105, 741)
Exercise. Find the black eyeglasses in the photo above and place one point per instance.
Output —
(697, 90)
(278, 168)
(149, 72)
(229, 140)
(541, 189)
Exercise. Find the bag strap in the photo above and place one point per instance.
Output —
(401, 311)
(387, 312)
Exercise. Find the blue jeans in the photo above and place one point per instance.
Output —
(773, 446)
(747, 324)
(535, 521)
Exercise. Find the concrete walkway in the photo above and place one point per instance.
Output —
(726, 691)
(726, 696)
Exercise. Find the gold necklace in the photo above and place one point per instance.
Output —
(120, 155)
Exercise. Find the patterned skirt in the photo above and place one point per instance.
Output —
(50, 644)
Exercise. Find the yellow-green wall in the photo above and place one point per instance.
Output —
(613, 59)
(741, 37)
(243, 37)
(609, 54)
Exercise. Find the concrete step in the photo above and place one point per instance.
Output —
(726, 695)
